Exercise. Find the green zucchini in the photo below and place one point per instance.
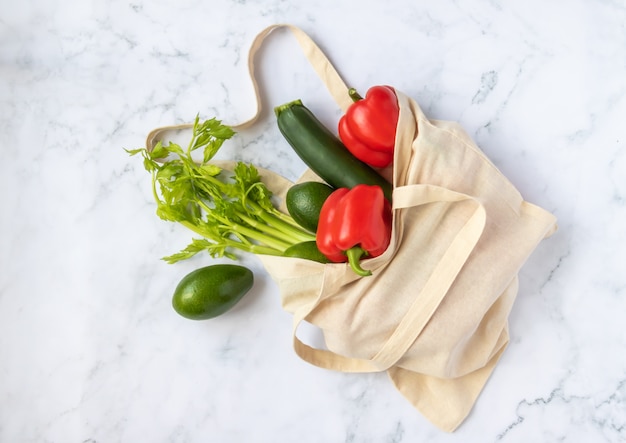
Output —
(323, 151)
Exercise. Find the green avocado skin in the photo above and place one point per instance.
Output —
(304, 202)
(307, 250)
(211, 291)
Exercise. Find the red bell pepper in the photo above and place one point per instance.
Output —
(354, 223)
(368, 128)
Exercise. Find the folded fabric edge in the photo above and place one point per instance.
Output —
(445, 403)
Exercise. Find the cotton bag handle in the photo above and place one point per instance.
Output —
(425, 303)
(316, 57)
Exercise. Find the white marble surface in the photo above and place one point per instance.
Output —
(90, 349)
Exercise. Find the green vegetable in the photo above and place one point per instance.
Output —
(304, 202)
(211, 291)
(323, 152)
(229, 213)
(307, 250)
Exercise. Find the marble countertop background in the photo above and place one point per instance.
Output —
(90, 348)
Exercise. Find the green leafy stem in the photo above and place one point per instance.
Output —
(228, 212)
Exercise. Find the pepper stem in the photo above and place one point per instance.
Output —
(354, 259)
(354, 95)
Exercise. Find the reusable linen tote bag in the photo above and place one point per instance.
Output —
(434, 313)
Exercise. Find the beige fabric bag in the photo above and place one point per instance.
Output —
(434, 314)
